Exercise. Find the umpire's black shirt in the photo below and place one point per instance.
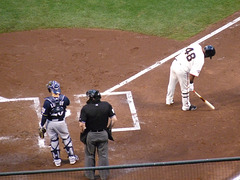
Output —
(95, 114)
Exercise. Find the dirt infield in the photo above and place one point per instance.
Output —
(82, 59)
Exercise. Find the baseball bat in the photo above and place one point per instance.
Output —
(204, 100)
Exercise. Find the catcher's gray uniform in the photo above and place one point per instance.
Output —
(53, 112)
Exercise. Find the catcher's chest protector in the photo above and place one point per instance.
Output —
(56, 105)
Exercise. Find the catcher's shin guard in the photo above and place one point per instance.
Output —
(68, 146)
(55, 149)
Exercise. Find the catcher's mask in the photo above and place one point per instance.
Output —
(54, 86)
(209, 51)
(93, 94)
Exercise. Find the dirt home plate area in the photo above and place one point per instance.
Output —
(147, 130)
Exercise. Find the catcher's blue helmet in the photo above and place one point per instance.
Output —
(54, 86)
(93, 94)
(209, 51)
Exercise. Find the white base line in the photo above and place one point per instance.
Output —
(158, 63)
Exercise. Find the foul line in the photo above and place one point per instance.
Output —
(158, 63)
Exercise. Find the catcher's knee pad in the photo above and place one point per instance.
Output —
(55, 148)
(68, 146)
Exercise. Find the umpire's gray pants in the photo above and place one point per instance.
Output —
(97, 141)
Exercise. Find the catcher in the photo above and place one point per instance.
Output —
(53, 114)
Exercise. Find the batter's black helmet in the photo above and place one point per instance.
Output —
(209, 51)
(54, 86)
(93, 94)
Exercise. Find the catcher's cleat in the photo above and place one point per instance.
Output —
(57, 162)
(73, 159)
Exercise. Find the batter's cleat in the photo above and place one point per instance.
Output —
(191, 108)
(170, 103)
(73, 159)
(57, 162)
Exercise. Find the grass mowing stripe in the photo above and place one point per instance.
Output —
(177, 19)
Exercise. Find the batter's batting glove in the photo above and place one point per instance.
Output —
(41, 132)
(191, 87)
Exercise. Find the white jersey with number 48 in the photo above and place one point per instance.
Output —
(192, 59)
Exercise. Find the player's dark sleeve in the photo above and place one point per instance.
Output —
(66, 101)
(44, 119)
(45, 112)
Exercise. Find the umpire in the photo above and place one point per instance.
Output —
(96, 118)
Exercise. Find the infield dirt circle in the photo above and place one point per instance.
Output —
(83, 59)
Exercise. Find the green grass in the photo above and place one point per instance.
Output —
(176, 19)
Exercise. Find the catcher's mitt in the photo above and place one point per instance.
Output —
(41, 132)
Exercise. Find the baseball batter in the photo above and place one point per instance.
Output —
(53, 114)
(186, 66)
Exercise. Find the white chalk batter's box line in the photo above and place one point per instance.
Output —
(37, 108)
(34, 99)
(136, 124)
